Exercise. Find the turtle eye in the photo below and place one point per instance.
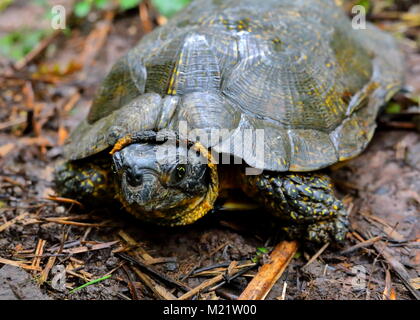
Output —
(179, 172)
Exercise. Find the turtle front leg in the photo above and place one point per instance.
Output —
(305, 200)
(86, 182)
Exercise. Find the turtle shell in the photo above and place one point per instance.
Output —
(297, 70)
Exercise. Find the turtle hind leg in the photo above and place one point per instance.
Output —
(86, 182)
(305, 201)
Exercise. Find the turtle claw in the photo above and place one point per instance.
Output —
(87, 183)
(333, 230)
(329, 230)
(306, 201)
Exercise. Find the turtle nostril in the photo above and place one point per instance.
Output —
(134, 178)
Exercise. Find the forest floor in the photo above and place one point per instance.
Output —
(62, 246)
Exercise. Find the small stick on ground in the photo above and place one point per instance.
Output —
(13, 221)
(283, 292)
(37, 50)
(14, 122)
(316, 255)
(415, 282)
(224, 293)
(201, 287)
(51, 261)
(145, 20)
(38, 253)
(362, 244)
(45, 272)
(75, 223)
(270, 272)
(64, 200)
(138, 248)
(227, 278)
(161, 260)
(397, 266)
(96, 40)
(162, 277)
(19, 264)
(357, 236)
(130, 282)
(388, 285)
(157, 289)
(214, 266)
(94, 247)
(385, 227)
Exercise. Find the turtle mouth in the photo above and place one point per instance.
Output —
(181, 214)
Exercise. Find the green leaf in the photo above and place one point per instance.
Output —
(393, 107)
(16, 53)
(169, 7)
(67, 32)
(6, 41)
(17, 44)
(365, 3)
(262, 250)
(31, 39)
(101, 4)
(128, 4)
(82, 9)
(4, 4)
(42, 3)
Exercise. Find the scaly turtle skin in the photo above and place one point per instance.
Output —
(295, 69)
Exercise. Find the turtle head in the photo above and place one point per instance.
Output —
(165, 184)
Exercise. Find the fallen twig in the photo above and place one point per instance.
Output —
(214, 266)
(222, 292)
(415, 282)
(75, 223)
(13, 221)
(384, 227)
(94, 247)
(362, 244)
(37, 50)
(157, 289)
(145, 20)
(154, 272)
(38, 253)
(316, 255)
(234, 274)
(397, 266)
(270, 272)
(65, 200)
(51, 261)
(133, 243)
(19, 264)
(201, 287)
(96, 39)
(388, 286)
(130, 282)
(6, 148)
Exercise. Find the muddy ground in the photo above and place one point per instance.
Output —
(45, 99)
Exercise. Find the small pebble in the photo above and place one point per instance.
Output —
(171, 266)
(60, 210)
(111, 262)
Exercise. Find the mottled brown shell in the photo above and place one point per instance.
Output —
(296, 69)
